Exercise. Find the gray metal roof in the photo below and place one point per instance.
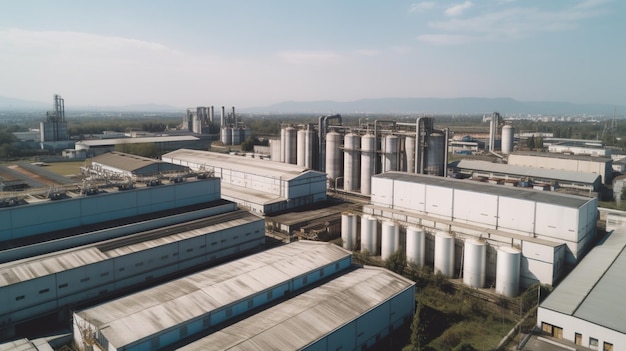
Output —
(129, 162)
(570, 176)
(272, 169)
(549, 197)
(137, 316)
(306, 318)
(139, 140)
(562, 156)
(594, 290)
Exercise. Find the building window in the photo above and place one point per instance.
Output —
(104, 274)
(189, 250)
(84, 280)
(122, 269)
(593, 343)
(138, 264)
(64, 285)
(608, 346)
(44, 291)
(164, 257)
(18, 298)
(578, 339)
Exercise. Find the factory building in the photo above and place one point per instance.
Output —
(94, 147)
(263, 187)
(537, 234)
(168, 314)
(574, 163)
(529, 176)
(587, 307)
(123, 165)
(350, 312)
(576, 148)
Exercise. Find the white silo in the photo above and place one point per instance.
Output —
(275, 149)
(415, 246)
(368, 162)
(227, 136)
(390, 239)
(290, 145)
(351, 162)
(435, 154)
(444, 254)
(409, 150)
(474, 263)
(507, 139)
(391, 153)
(334, 160)
(508, 271)
(310, 148)
(369, 234)
(348, 230)
(282, 144)
(301, 142)
(236, 135)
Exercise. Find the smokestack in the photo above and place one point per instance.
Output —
(211, 116)
(222, 117)
(234, 120)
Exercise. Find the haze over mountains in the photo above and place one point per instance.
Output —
(431, 106)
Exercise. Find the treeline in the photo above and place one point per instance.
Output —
(90, 127)
(6, 141)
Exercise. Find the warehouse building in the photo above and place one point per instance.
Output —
(123, 165)
(262, 187)
(587, 307)
(529, 176)
(351, 312)
(575, 163)
(94, 147)
(548, 230)
(170, 313)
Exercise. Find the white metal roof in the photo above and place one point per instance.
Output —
(306, 318)
(272, 169)
(549, 197)
(137, 316)
(594, 290)
(117, 141)
(561, 156)
(570, 176)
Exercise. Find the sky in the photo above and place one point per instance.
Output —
(249, 53)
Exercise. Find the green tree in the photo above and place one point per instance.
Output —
(530, 142)
(397, 261)
(418, 328)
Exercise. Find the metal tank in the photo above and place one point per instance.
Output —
(348, 230)
(236, 138)
(508, 271)
(310, 148)
(415, 246)
(390, 241)
(282, 144)
(409, 152)
(391, 153)
(290, 145)
(444, 254)
(507, 139)
(334, 160)
(351, 162)
(301, 149)
(275, 150)
(227, 136)
(474, 263)
(368, 162)
(435, 154)
(369, 234)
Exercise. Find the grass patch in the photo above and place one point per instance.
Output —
(65, 168)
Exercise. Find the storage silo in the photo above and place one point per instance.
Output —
(507, 139)
(369, 234)
(236, 135)
(409, 150)
(368, 162)
(290, 145)
(508, 271)
(282, 144)
(301, 152)
(227, 136)
(275, 149)
(310, 148)
(391, 153)
(334, 160)
(390, 240)
(444, 254)
(348, 230)
(415, 246)
(351, 162)
(474, 263)
(435, 154)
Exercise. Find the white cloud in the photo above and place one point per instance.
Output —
(422, 6)
(458, 9)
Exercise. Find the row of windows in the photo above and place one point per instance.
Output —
(557, 332)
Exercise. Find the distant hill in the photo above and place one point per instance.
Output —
(438, 106)
(11, 104)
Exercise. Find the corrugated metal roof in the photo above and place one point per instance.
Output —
(561, 156)
(594, 290)
(117, 141)
(306, 318)
(272, 169)
(127, 162)
(578, 177)
(485, 188)
(137, 316)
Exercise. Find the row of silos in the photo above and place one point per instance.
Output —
(474, 265)
(234, 135)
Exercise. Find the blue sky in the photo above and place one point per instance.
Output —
(253, 53)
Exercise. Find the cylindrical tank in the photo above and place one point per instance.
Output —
(310, 148)
(507, 139)
(282, 144)
(236, 136)
(409, 149)
(415, 246)
(348, 230)
(275, 150)
(333, 155)
(390, 240)
(474, 263)
(368, 160)
(301, 153)
(369, 234)
(444, 254)
(508, 271)
(227, 136)
(290, 145)
(435, 157)
(391, 153)
(351, 162)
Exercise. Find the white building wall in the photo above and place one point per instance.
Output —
(516, 215)
(439, 201)
(476, 208)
